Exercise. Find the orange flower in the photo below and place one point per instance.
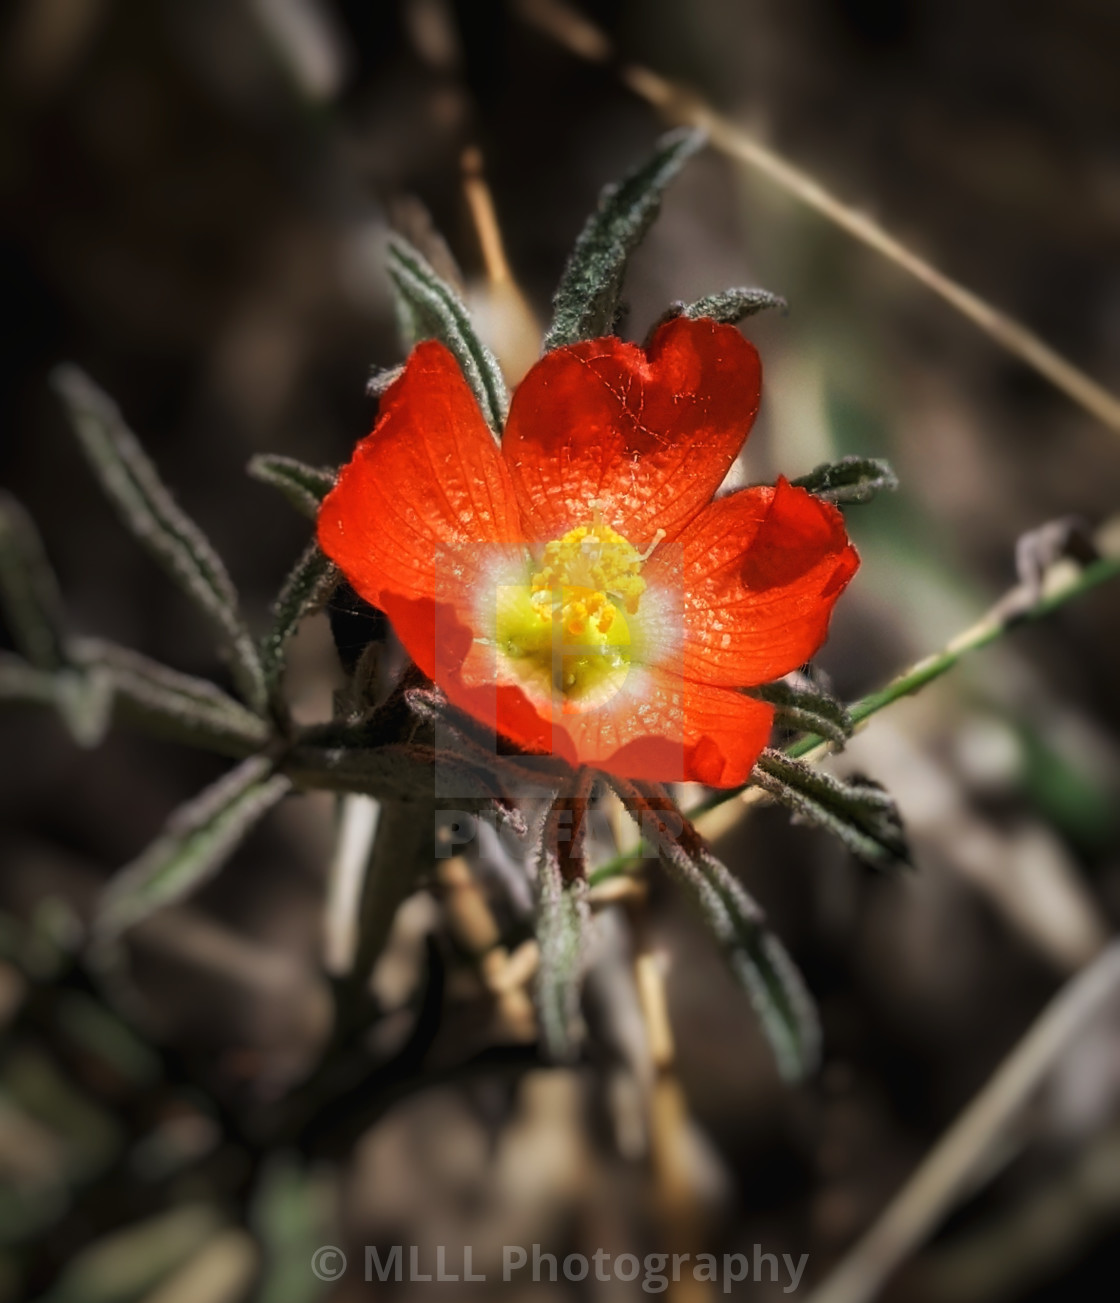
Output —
(576, 588)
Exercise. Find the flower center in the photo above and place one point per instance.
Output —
(567, 628)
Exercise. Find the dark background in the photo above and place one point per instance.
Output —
(198, 227)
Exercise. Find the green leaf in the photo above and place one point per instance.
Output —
(23, 683)
(735, 305)
(193, 846)
(305, 590)
(807, 710)
(305, 487)
(849, 481)
(586, 299)
(130, 1263)
(859, 812)
(82, 697)
(178, 705)
(755, 956)
(28, 591)
(146, 507)
(85, 702)
(563, 922)
(430, 309)
(392, 771)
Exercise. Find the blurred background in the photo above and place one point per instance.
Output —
(195, 194)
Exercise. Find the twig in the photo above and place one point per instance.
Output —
(1064, 584)
(937, 1184)
(676, 1195)
(681, 105)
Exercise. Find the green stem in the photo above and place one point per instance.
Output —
(1013, 609)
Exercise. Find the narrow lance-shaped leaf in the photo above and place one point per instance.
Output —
(807, 710)
(29, 596)
(196, 842)
(305, 590)
(563, 920)
(563, 917)
(21, 682)
(849, 481)
(82, 698)
(757, 959)
(587, 297)
(859, 812)
(430, 309)
(168, 701)
(304, 486)
(85, 702)
(142, 501)
(735, 305)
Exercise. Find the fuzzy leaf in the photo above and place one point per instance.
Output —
(807, 710)
(195, 843)
(28, 591)
(305, 487)
(24, 683)
(85, 702)
(83, 698)
(849, 481)
(587, 297)
(305, 590)
(430, 309)
(148, 510)
(562, 925)
(757, 959)
(178, 705)
(735, 305)
(859, 812)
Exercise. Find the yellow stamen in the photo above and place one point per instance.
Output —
(567, 627)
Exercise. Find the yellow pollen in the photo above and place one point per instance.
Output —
(568, 626)
(593, 557)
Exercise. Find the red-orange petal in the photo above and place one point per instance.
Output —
(759, 573)
(425, 506)
(667, 730)
(643, 439)
(657, 726)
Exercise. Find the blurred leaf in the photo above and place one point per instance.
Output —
(93, 1026)
(182, 706)
(859, 812)
(807, 710)
(433, 310)
(196, 842)
(29, 595)
(85, 702)
(306, 588)
(587, 297)
(849, 481)
(305, 487)
(290, 1216)
(124, 1265)
(91, 1136)
(757, 959)
(22, 682)
(734, 305)
(143, 503)
(563, 925)
(83, 698)
(1069, 791)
